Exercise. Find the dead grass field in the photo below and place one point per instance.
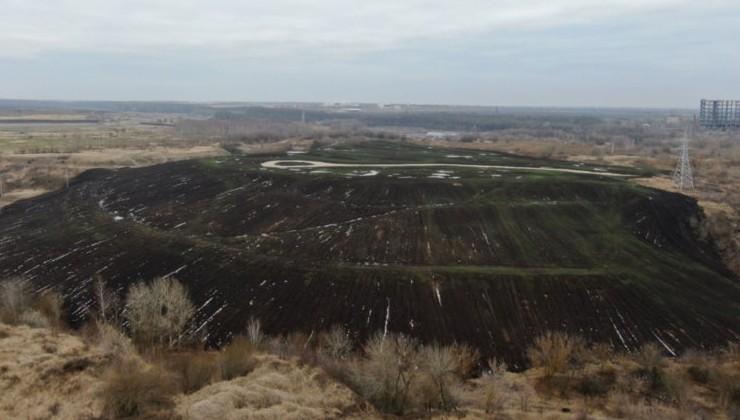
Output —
(45, 375)
(62, 375)
(38, 158)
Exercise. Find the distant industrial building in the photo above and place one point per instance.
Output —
(719, 115)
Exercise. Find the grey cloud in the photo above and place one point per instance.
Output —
(30, 28)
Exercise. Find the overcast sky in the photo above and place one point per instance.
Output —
(641, 53)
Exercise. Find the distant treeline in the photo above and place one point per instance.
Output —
(109, 106)
(446, 121)
(48, 121)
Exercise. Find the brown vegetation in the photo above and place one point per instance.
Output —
(394, 373)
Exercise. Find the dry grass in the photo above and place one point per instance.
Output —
(134, 388)
(237, 359)
(194, 369)
(28, 175)
(45, 375)
(39, 382)
(276, 389)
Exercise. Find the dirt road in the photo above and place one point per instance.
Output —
(305, 164)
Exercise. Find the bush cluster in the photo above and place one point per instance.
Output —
(397, 374)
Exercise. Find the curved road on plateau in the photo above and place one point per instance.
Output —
(310, 164)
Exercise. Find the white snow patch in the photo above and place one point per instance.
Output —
(204, 305)
(619, 334)
(175, 272)
(667, 347)
(387, 317)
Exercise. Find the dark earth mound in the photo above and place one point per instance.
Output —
(488, 257)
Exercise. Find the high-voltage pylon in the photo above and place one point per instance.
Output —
(682, 177)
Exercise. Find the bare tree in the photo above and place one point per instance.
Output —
(107, 300)
(157, 312)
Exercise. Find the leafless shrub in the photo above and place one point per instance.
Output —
(495, 393)
(468, 360)
(133, 389)
(650, 358)
(254, 331)
(550, 351)
(299, 343)
(496, 367)
(277, 345)
(49, 304)
(296, 344)
(34, 319)
(661, 383)
(651, 367)
(578, 353)
(524, 395)
(337, 343)
(237, 359)
(386, 376)
(341, 370)
(493, 387)
(157, 312)
(440, 369)
(603, 353)
(112, 341)
(194, 369)
(15, 298)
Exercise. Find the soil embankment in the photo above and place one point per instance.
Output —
(487, 257)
